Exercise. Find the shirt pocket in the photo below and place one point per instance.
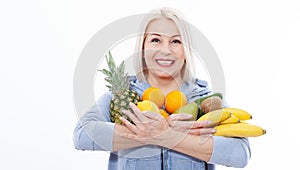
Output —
(152, 163)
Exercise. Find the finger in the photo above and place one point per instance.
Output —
(157, 117)
(187, 125)
(203, 123)
(194, 124)
(137, 111)
(134, 137)
(131, 116)
(129, 125)
(128, 135)
(202, 131)
(181, 116)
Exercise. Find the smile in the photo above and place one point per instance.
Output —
(165, 62)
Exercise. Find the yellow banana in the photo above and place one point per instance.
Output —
(215, 116)
(231, 119)
(239, 130)
(239, 113)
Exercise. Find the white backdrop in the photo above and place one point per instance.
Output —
(257, 42)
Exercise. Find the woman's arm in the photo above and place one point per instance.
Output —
(94, 131)
(200, 147)
(150, 128)
(121, 142)
(233, 152)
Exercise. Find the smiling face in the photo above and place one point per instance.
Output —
(163, 50)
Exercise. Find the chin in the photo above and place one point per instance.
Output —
(161, 73)
(165, 76)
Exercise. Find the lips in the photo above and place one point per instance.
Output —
(164, 62)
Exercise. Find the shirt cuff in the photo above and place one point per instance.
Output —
(103, 136)
(233, 152)
(218, 156)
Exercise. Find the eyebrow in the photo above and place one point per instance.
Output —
(161, 35)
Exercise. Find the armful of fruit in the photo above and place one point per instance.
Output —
(211, 117)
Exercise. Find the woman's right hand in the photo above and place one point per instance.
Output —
(180, 122)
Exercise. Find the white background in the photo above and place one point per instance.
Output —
(257, 42)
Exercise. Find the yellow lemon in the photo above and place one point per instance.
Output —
(148, 105)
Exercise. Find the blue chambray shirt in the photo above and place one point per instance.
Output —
(94, 131)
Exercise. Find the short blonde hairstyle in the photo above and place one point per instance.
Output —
(177, 18)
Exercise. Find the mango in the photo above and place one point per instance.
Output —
(190, 108)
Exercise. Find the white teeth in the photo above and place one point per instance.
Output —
(165, 62)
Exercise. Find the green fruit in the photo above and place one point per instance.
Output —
(190, 108)
(199, 101)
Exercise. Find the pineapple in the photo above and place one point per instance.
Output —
(119, 86)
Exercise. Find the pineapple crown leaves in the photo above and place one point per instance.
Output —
(115, 75)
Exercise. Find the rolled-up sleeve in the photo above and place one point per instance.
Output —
(233, 152)
(94, 131)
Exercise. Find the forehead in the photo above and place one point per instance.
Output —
(163, 26)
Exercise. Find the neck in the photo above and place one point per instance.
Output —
(165, 84)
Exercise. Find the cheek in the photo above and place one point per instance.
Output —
(149, 52)
(149, 49)
(148, 57)
(181, 56)
(180, 53)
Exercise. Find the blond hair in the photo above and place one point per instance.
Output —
(177, 18)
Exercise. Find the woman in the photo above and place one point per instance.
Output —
(163, 59)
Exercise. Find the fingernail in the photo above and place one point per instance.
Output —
(121, 118)
(213, 131)
(208, 121)
(189, 115)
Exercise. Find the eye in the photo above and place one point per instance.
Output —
(176, 41)
(155, 40)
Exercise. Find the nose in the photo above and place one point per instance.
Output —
(166, 48)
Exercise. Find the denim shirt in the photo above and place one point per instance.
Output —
(94, 131)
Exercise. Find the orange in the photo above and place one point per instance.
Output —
(154, 94)
(174, 100)
(148, 105)
(164, 113)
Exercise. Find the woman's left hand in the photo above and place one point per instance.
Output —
(180, 122)
(147, 127)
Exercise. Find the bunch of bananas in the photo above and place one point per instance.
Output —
(231, 122)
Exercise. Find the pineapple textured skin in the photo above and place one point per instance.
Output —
(121, 102)
(119, 86)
